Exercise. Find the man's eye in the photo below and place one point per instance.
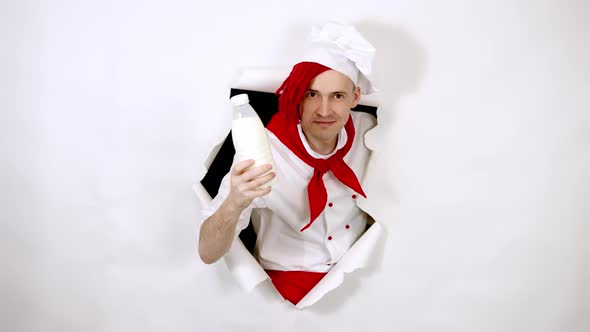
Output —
(311, 94)
(339, 96)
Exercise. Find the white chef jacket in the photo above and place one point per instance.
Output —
(279, 216)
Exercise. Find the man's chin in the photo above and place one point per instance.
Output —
(325, 135)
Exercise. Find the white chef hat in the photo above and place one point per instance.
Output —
(342, 48)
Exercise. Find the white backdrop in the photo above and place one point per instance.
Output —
(109, 109)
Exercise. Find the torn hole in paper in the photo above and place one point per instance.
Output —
(241, 259)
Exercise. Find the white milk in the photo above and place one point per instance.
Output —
(249, 135)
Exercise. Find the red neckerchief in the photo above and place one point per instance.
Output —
(284, 125)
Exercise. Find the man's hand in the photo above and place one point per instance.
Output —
(218, 230)
(245, 183)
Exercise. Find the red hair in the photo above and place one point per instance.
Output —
(293, 88)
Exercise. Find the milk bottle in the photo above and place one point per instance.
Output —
(249, 135)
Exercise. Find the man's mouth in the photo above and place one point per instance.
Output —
(324, 123)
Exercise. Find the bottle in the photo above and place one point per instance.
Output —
(249, 135)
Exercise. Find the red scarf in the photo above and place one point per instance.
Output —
(284, 125)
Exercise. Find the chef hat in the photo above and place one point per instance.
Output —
(342, 48)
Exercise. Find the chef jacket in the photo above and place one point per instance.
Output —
(278, 217)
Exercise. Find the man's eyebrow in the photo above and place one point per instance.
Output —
(331, 93)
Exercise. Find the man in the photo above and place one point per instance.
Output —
(309, 218)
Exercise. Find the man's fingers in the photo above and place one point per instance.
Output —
(260, 192)
(255, 172)
(257, 182)
(240, 167)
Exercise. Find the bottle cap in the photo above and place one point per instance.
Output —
(239, 100)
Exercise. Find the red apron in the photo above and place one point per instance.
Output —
(294, 285)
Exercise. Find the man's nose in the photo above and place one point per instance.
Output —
(324, 109)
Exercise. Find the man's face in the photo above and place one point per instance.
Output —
(325, 107)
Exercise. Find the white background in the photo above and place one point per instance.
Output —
(109, 109)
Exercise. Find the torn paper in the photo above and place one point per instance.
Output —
(240, 262)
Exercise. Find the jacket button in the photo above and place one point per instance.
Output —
(329, 237)
(330, 204)
(353, 196)
(347, 226)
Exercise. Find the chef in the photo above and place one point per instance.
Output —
(309, 218)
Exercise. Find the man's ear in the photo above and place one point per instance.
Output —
(356, 96)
